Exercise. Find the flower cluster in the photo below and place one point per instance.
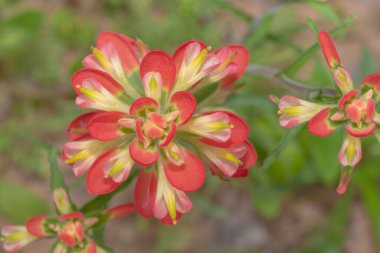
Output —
(356, 111)
(72, 229)
(148, 112)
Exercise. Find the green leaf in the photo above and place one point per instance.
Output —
(57, 245)
(290, 135)
(260, 31)
(300, 61)
(100, 203)
(15, 31)
(56, 177)
(327, 11)
(367, 63)
(324, 155)
(239, 13)
(19, 203)
(98, 237)
(312, 26)
(206, 91)
(30, 21)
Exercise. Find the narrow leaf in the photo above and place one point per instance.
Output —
(57, 182)
(205, 92)
(367, 63)
(312, 26)
(239, 13)
(290, 135)
(56, 177)
(300, 61)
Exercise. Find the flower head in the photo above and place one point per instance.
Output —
(15, 237)
(71, 228)
(148, 112)
(356, 111)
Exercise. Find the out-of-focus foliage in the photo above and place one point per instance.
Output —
(40, 46)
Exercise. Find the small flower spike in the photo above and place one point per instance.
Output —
(356, 111)
(146, 114)
(15, 238)
(71, 229)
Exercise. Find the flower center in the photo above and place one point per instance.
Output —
(360, 110)
(72, 233)
(154, 126)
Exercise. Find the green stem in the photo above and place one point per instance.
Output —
(288, 83)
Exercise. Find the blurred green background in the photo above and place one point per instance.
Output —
(291, 206)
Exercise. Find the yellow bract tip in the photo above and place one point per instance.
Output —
(101, 58)
(230, 157)
(116, 168)
(79, 156)
(217, 126)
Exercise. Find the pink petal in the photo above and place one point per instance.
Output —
(373, 81)
(141, 155)
(185, 103)
(241, 61)
(179, 53)
(142, 193)
(139, 131)
(365, 131)
(143, 105)
(170, 136)
(96, 181)
(239, 131)
(329, 50)
(71, 216)
(319, 124)
(248, 160)
(188, 177)
(161, 62)
(371, 110)
(124, 48)
(67, 239)
(167, 220)
(36, 226)
(346, 97)
(78, 127)
(99, 76)
(346, 157)
(104, 126)
(344, 180)
(120, 211)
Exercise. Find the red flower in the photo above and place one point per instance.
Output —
(70, 228)
(355, 111)
(146, 115)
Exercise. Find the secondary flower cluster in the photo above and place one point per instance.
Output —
(356, 111)
(72, 229)
(145, 115)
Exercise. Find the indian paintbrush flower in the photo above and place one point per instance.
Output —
(72, 229)
(355, 111)
(150, 112)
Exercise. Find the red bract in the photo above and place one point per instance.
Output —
(355, 111)
(146, 116)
